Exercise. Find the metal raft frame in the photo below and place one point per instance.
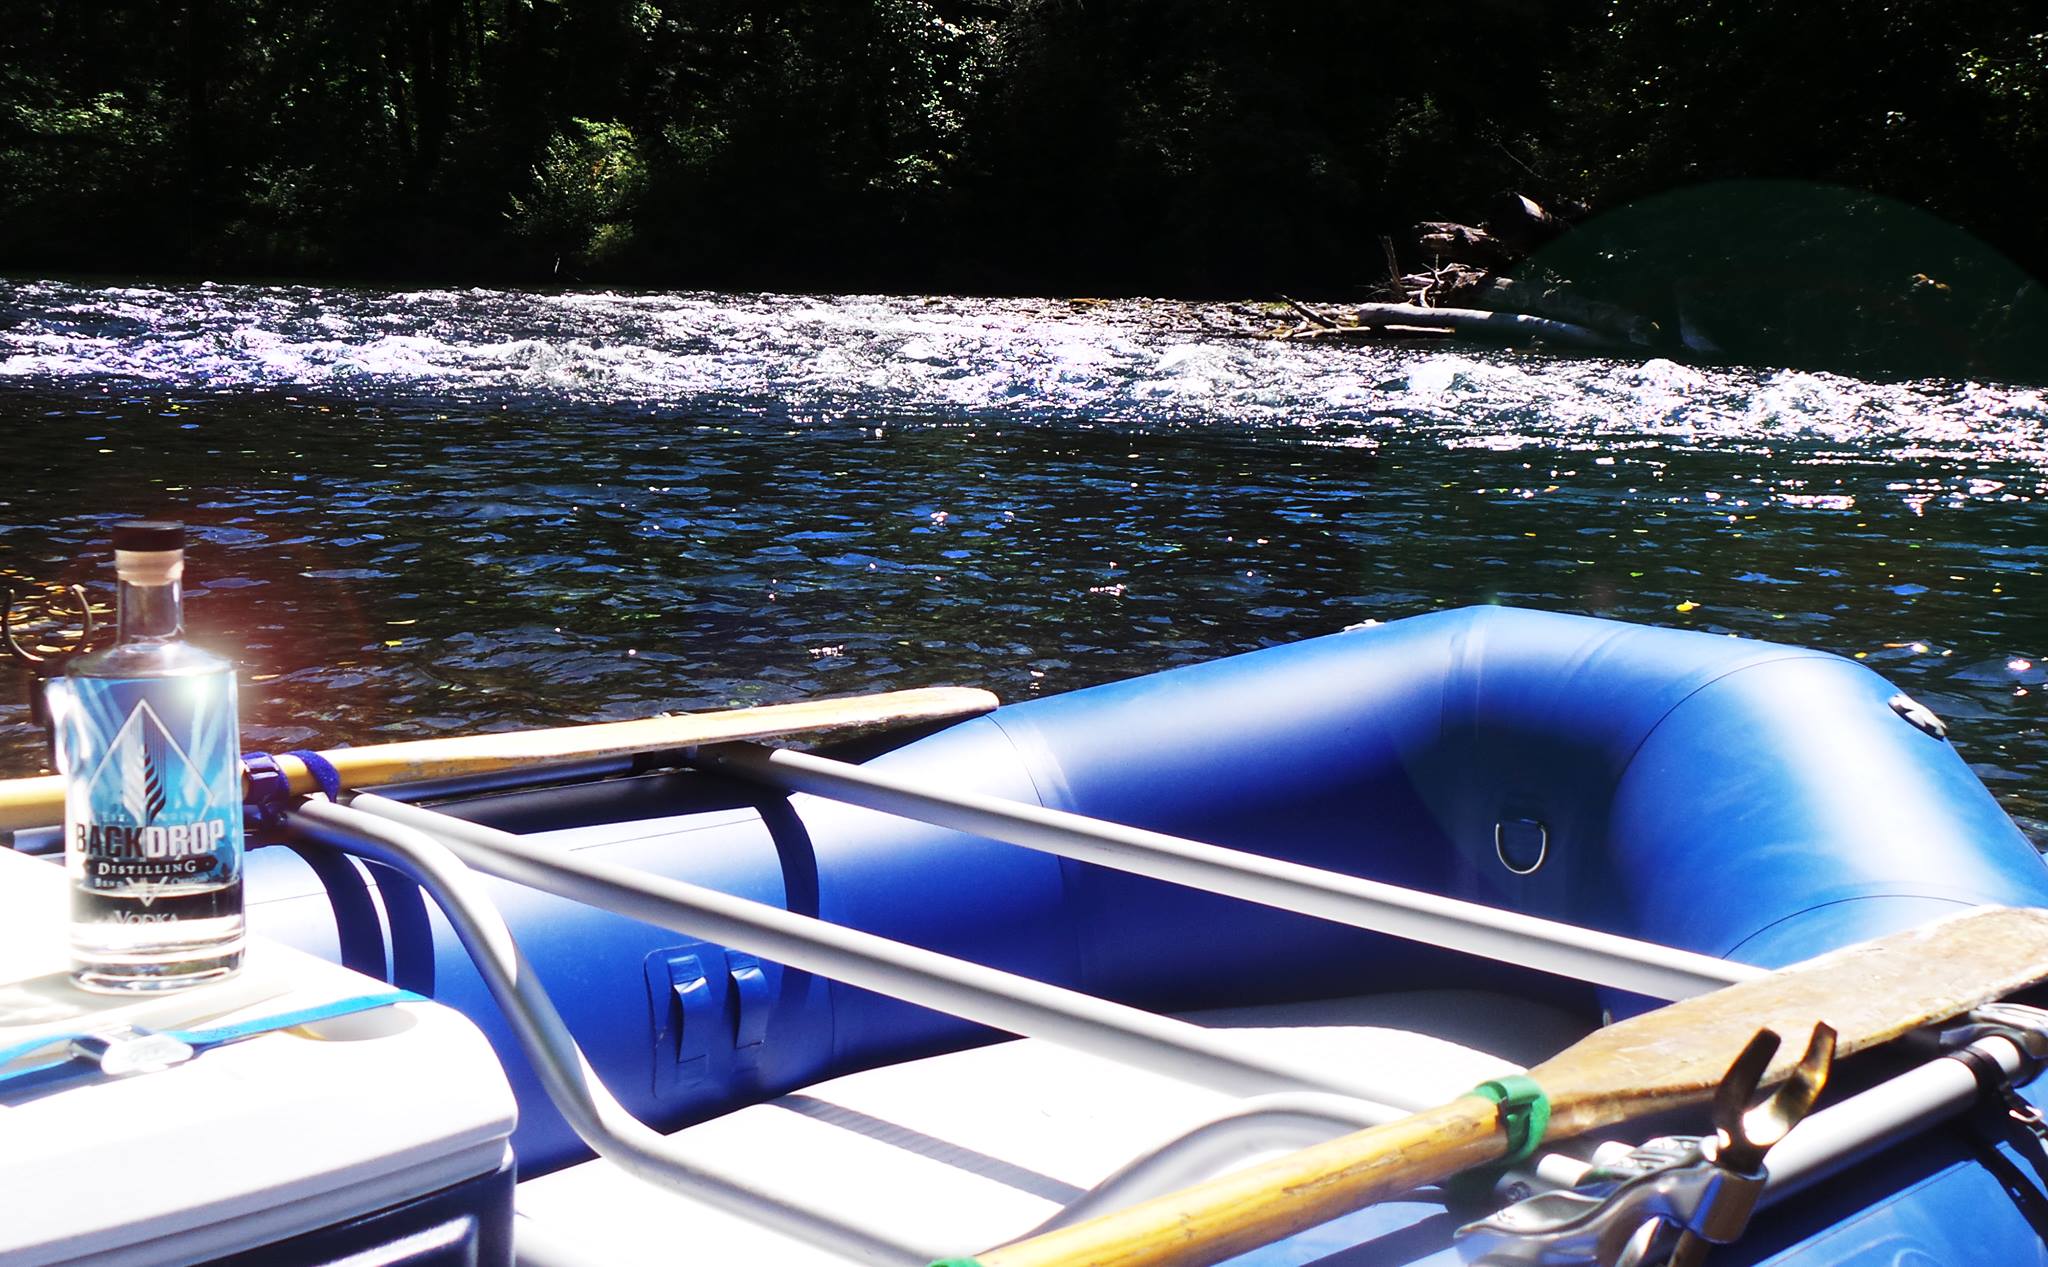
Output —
(1286, 1104)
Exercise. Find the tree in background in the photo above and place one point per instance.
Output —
(1106, 145)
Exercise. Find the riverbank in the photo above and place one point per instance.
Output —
(1758, 273)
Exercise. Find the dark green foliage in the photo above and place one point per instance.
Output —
(1102, 145)
(584, 193)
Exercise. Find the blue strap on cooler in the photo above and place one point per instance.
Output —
(221, 1035)
(128, 1049)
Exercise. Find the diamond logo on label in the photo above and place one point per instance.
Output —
(145, 777)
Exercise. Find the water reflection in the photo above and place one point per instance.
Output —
(430, 513)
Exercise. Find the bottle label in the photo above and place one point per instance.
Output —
(153, 804)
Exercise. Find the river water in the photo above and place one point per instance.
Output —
(443, 511)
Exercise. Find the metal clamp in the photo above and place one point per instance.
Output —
(1619, 1216)
(268, 791)
(1666, 1201)
(2026, 1028)
(2023, 1026)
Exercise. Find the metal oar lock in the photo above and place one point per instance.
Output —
(43, 663)
(1667, 1201)
(45, 656)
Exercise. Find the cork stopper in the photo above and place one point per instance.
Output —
(149, 551)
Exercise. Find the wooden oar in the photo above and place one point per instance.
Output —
(36, 802)
(1871, 993)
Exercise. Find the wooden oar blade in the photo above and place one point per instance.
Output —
(1871, 993)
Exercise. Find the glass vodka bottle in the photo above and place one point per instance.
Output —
(147, 744)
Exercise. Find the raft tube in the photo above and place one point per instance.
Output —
(1745, 800)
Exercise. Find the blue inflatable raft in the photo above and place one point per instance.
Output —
(1701, 807)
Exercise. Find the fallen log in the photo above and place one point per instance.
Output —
(1504, 294)
(1508, 326)
(1366, 333)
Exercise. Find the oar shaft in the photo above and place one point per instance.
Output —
(482, 754)
(38, 802)
(1245, 1209)
(31, 802)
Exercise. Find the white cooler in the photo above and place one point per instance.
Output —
(384, 1130)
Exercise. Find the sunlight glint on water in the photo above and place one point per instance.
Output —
(438, 511)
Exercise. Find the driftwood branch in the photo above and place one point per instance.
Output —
(1308, 312)
(1394, 280)
(1443, 284)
